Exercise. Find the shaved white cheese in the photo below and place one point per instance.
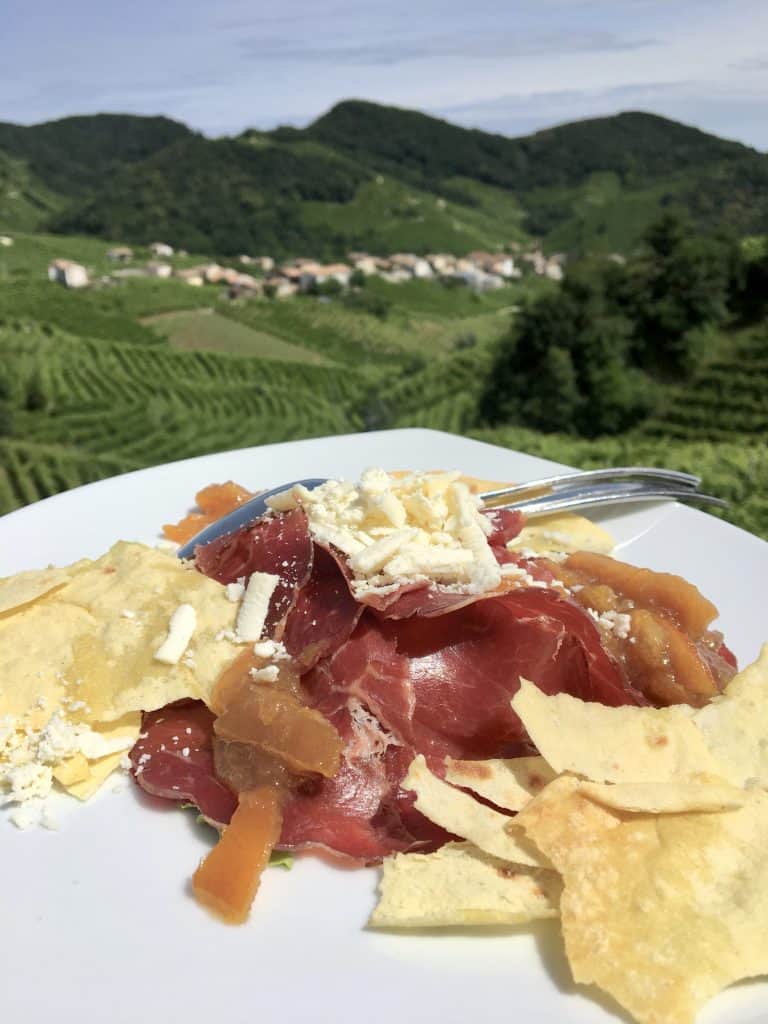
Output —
(391, 509)
(375, 556)
(235, 591)
(267, 674)
(255, 605)
(270, 650)
(180, 630)
(283, 501)
(400, 530)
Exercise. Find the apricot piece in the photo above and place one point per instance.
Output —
(187, 528)
(218, 499)
(214, 501)
(279, 724)
(664, 662)
(227, 880)
(661, 591)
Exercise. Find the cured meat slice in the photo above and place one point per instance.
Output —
(507, 524)
(360, 814)
(436, 686)
(173, 759)
(323, 615)
(280, 545)
(443, 685)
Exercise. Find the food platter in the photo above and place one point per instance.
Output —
(96, 920)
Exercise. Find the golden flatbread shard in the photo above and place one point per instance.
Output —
(563, 532)
(94, 638)
(462, 815)
(461, 885)
(726, 739)
(662, 912)
(624, 744)
(77, 661)
(509, 783)
(735, 725)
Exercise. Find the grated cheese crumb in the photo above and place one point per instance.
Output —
(267, 674)
(180, 630)
(255, 605)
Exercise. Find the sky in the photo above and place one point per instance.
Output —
(503, 65)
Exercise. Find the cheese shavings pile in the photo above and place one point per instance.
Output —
(400, 530)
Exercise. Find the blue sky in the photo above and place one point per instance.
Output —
(505, 66)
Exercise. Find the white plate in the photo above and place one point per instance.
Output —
(97, 923)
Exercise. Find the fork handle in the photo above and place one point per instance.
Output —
(549, 503)
(672, 476)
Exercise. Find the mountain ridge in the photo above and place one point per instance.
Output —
(368, 175)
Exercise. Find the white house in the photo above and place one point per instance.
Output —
(504, 266)
(159, 269)
(161, 249)
(364, 263)
(6, 241)
(193, 275)
(68, 273)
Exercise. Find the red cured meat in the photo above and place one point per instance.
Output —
(173, 758)
(323, 615)
(280, 545)
(443, 685)
(507, 524)
(437, 686)
(360, 814)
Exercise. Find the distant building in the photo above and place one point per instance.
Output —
(159, 269)
(6, 241)
(161, 249)
(68, 273)
(363, 262)
(280, 287)
(120, 254)
(192, 275)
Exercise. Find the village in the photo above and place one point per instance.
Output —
(478, 271)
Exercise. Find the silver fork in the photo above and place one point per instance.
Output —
(565, 492)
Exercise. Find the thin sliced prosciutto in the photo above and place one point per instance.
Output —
(279, 545)
(173, 759)
(323, 615)
(439, 686)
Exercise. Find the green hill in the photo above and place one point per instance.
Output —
(73, 155)
(376, 177)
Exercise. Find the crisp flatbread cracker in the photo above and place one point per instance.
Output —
(461, 885)
(563, 532)
(735, 725)
(662, 911)
(464, 816)
(93, 640)
(702, 794)
(624, 744)
(507, 782)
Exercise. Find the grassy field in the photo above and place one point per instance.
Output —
(206, 330)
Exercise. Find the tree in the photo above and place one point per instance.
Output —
(553, 401)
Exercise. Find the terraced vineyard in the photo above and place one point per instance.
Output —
(729, 396)
(88, 408)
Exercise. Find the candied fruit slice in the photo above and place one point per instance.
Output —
(661, 591)
(213, 501)
(227, 880)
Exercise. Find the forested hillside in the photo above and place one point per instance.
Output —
(365, 175)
